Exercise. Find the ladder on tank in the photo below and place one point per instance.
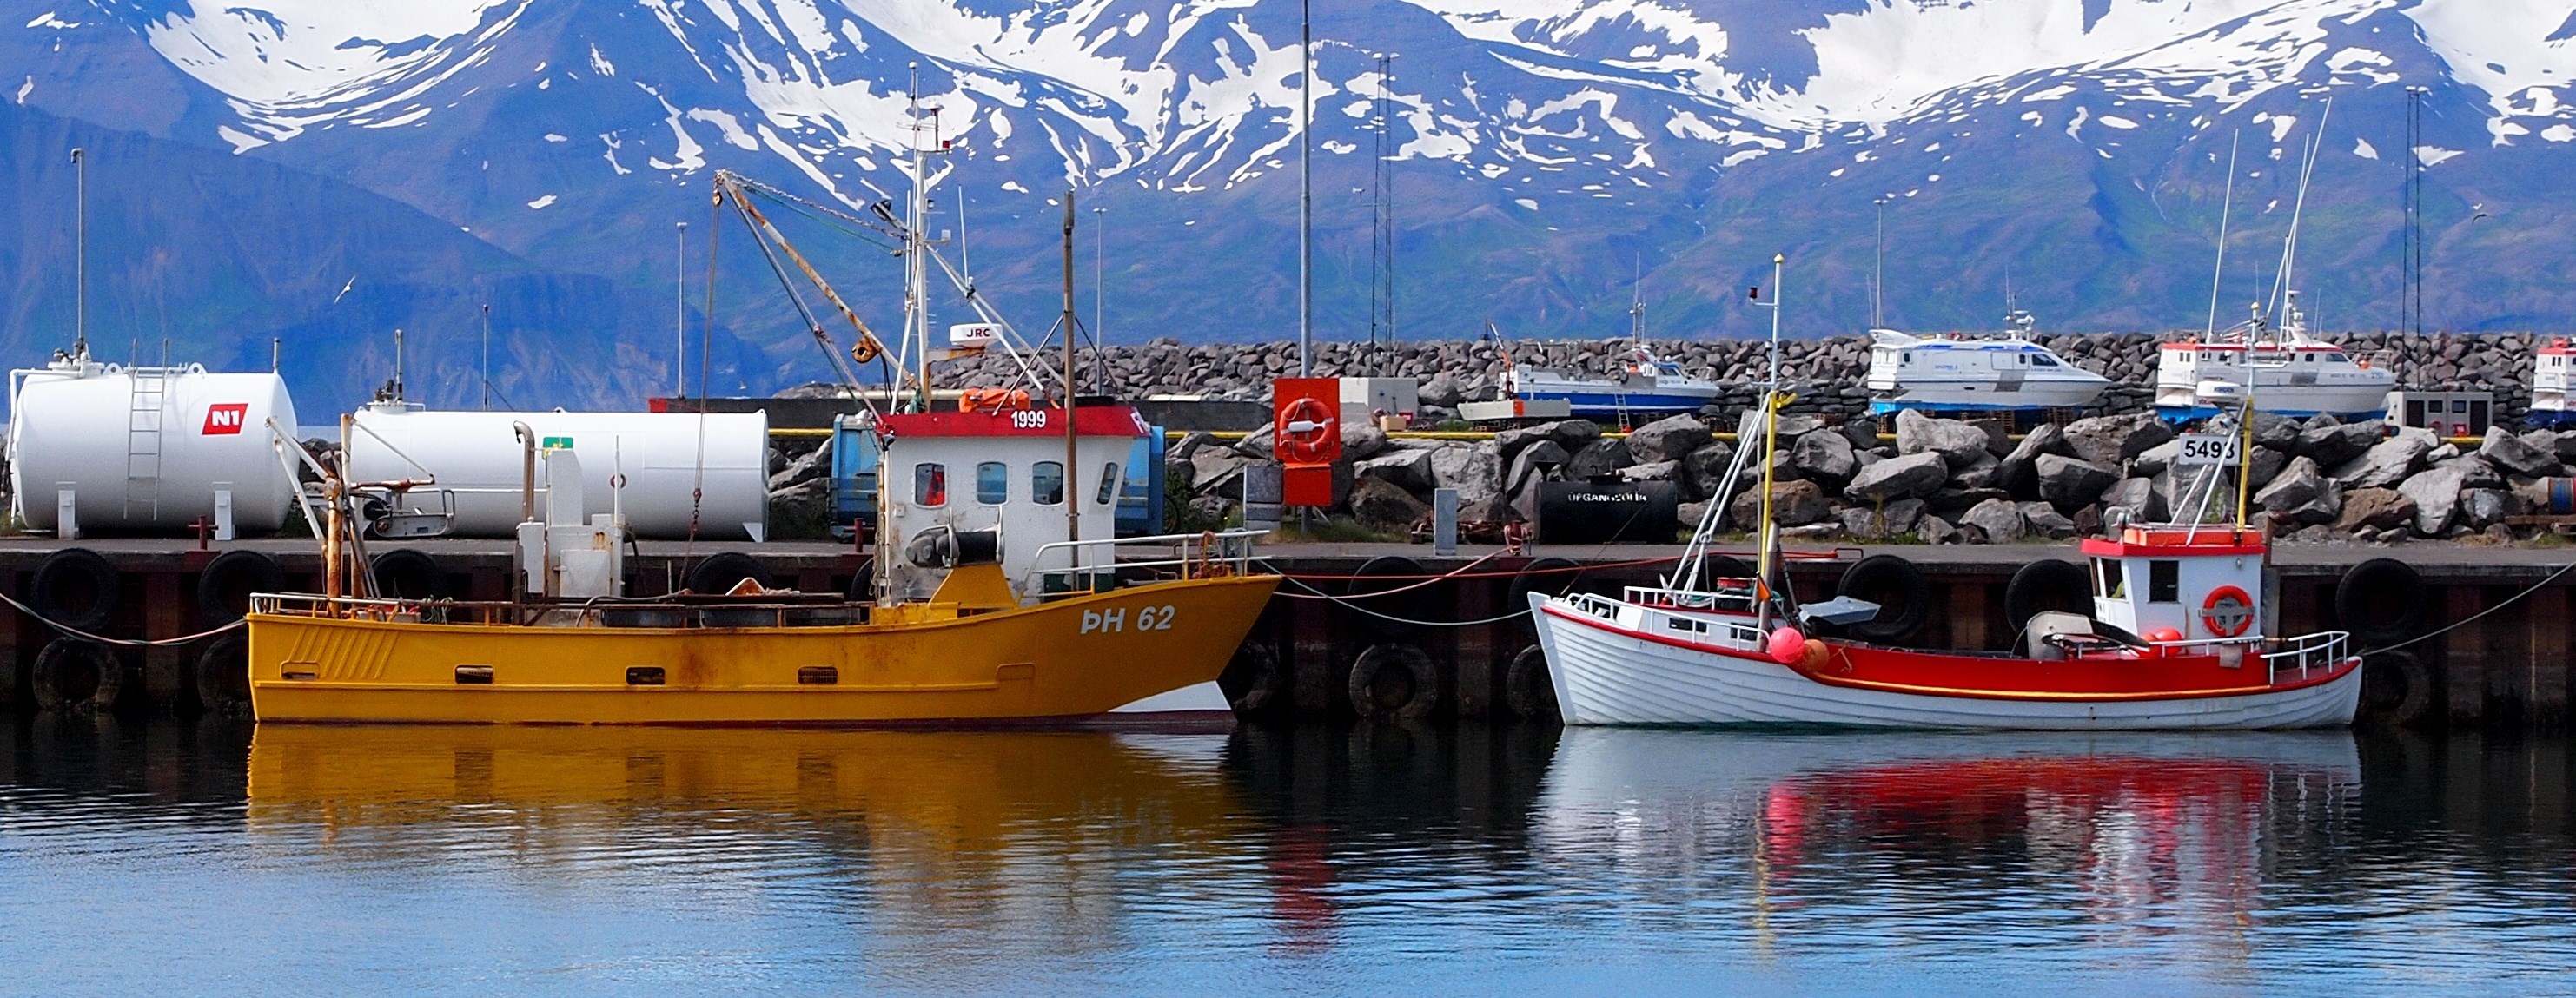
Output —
(145, 407)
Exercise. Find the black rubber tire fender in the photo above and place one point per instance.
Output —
(51, 679)
(224, 586)
(2380, 600)
(2047, 584)
(1528, 688)
(1252, 681)
(223, 676)
(1903, 596)
(1379, 661)
(2396, 689)
(1372, 612)
(718, 573)
(407, 573)
(75, 588)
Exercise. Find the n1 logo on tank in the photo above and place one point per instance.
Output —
(224, 419)
(1114, 620)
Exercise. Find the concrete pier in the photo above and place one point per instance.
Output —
(2504, 670)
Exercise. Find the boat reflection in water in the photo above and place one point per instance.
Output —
(955, 828)
(2134, 830)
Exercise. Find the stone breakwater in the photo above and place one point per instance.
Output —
(1941, 480)
(1825, 373)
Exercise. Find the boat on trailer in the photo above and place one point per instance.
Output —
(2550, 399)
(2291, 372)
(1944, 373)
(2175, 641)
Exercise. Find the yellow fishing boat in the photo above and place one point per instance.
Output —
(966, 630)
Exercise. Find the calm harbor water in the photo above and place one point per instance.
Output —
(170, 857)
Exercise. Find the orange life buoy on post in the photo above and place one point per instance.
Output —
(1306, 432)
(2227, 612)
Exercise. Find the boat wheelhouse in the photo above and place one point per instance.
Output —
(1944, 373)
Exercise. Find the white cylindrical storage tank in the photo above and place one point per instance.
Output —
(475, 457)
(147, 449)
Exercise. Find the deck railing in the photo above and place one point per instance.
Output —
(2300, 655)
(1227, 551)
(1735, 598)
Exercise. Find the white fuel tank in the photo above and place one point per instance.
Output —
(146, 449)
(476, 457)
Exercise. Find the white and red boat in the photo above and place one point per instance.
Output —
(2552, 405)
(1732, 652)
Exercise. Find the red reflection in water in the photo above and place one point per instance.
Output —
(1300, 876)
(2133, 832)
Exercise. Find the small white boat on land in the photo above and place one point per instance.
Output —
(2291, 372)
(2175, 641)
(1946, 373)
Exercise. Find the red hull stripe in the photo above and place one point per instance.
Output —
(1861, 660)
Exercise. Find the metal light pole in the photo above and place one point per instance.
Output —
(80, 260)
(1099, 266)
(680, 323)
(1305, 188)
(1878, 282)
(1778, 260)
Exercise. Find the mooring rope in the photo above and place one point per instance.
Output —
(2464, 621)
(119, 642)
(1356, 608)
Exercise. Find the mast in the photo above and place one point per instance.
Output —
(80, 259)
(1770, 430)
(680, 338)
(2225, 203)
(1305, 189)
(1072, 508)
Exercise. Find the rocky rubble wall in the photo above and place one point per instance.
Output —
(1826, 373)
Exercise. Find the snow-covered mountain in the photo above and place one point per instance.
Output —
(1551, 157)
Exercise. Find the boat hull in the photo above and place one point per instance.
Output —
(1989, 396)
(1606, 675)
(1589, 403)
(1156, 649)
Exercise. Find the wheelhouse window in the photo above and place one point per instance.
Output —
(2164, 582)
(992, 483)
(930, 484)
(1046, 483)
(1108, 485)
(2043, 360)
(2108, 580)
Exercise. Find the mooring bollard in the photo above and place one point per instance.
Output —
(1444, 522)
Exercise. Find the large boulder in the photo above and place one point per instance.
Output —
(1958, 443)
(2483, 508)
(2044, 520)
(1659, 471)
(2275, 431)
(1214, 469)
(1667, 439)
(2386, 463)
(2267, 463)
(2333, 444)
(2000, 519)
(1904, 477)
(1472, 469)
(2110, 441)
(1952, 503)
(1979, 473)
(2372, 510)
(2068, 483)
(802, 511)
(2301, 494)
(1570, 434)
(2154, 460)
(1259, 445)
(2138, 497)
(1405, 468)
(1826, 456)
(1704, 469)
(1793, 504)
(1382, 506)
(2475, 472)
(2017, 473)
(1361, 441)
(1442, 389)
(2437, 498)
(813, 464)
(1597, 459)
(2518, 455)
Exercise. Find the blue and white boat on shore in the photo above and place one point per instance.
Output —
(1649, 388)
(1947, 373)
